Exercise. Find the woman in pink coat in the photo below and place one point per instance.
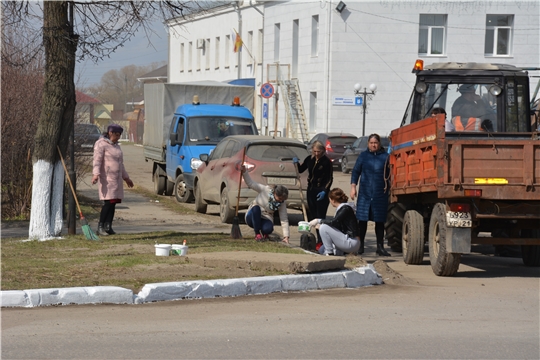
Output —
(109, 170)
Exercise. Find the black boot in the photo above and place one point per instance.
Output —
(101, 230)
(380, 249)
(108, 228)
(361, 250)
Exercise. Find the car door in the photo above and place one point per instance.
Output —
(207, 181)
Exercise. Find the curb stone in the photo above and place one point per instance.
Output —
(362, 276)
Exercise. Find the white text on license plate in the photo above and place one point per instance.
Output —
(280, 181)
(458, 219)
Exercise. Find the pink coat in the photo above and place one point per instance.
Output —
(109, 166)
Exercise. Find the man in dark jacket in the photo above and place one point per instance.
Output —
(372, 169)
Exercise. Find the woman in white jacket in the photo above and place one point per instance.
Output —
(260, 214)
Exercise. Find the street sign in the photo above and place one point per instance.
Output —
(267, 90)
(265, 111)
(343, 101)
(358, 101)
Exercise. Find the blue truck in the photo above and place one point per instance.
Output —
(183, 121)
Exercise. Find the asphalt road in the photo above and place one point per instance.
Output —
(489, 310)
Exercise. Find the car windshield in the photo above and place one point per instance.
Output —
(213, 129)
(277, 153)
(86, 129)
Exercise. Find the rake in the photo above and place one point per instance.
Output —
(87, 231)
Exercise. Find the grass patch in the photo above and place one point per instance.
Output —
(127, 261)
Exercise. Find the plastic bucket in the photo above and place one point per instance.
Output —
(180, 250)
(162, 249)
(303, 227)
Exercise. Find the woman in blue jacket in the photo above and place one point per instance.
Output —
(372, 203)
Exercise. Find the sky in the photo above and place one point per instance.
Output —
(138, 52)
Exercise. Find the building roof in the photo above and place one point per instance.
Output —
(82, 98)
(159, 74)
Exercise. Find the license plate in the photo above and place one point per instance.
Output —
(280, 181)
(458, 219)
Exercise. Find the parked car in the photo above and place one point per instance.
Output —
(353, 151)
(268, 161)
(335, 144)
(85, 137)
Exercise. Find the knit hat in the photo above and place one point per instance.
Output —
(467, 88)
(115, 128)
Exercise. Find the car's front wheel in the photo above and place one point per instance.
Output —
(344, 166)
(182, 193)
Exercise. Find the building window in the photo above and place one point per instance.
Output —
(182, 54)
(315, 35)
(295, 45)
(499, 35)
(207, 54)
(216, 61)
(190, 56)
(312, 111)
(277, 30)
(432, 36)
(260, 46)
(227, 50)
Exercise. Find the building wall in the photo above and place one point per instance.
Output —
(369, 42)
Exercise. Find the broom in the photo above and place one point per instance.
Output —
(235, 230)
(84, 224)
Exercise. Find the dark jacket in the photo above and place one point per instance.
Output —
(344, 221)
(320, 173)
(372, 168)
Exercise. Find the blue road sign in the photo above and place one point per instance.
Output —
(358, 101)
(267, 90)
(265, 111)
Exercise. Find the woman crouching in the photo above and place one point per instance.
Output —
(340, 234)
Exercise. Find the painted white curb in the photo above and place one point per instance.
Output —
(362, 276)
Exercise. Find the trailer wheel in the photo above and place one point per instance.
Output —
(200, 205)
(225, 212)
(182, 193)
(413, 238)
(442, 263)
(530, 254)
(159, 182)
(394, 225)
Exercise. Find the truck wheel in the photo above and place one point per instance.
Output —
(182, 193)
(394, 225)
(159, 182)
(413, 238)
(170, 188)
(200, 205)
(344, 166)
(530, 254)
(442, 263)
(225, 212)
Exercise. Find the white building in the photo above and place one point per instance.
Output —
(329, 51)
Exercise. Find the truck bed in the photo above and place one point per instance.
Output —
(425, 159)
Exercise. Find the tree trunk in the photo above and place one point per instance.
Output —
(56, 120)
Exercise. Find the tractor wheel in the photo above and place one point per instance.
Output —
(394, 225)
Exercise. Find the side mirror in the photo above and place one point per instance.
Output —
(173, 137)
(204, 158)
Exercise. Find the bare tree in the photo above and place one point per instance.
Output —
(89, 29)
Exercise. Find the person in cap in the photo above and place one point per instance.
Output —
(108, 169)
(470, 112)
(448, 126)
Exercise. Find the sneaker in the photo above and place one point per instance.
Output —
(266, 237)
(259, 237)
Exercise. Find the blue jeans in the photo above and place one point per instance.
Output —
(259, 224)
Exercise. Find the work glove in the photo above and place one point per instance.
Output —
(320, 196)
(314, 222)
(295, 160)
(487, 125)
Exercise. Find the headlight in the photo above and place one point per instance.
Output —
(195, 163)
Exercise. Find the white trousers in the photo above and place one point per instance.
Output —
(335, 242)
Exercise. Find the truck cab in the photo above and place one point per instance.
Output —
(196, 129)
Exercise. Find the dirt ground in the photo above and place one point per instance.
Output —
(137, 210)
